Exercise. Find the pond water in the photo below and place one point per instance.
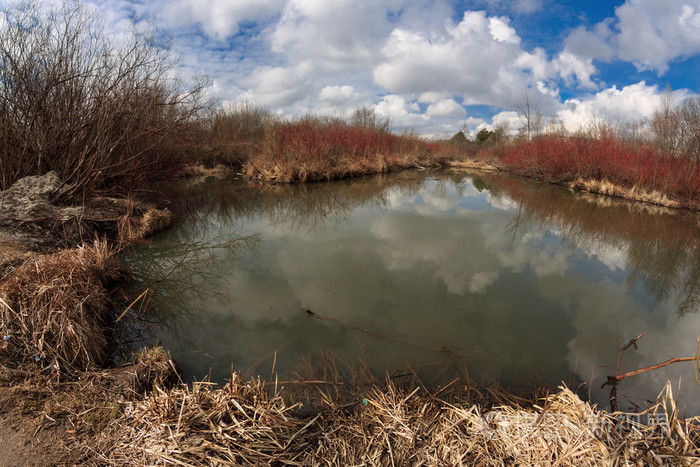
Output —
(496, 277)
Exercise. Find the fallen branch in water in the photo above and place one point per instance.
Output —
(444, 349)
(132, 304)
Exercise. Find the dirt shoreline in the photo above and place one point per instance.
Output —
(60, 405)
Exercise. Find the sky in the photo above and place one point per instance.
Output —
(434, 66)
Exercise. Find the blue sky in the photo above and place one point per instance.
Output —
(435, 66)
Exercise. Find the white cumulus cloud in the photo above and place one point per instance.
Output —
(571, 66)
(446, 108)
(648, 33)
(467, 59)
(422, 63)
(217, 18)
(631, 103)
(339, 94)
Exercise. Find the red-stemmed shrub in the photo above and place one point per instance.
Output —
(311, 149)
(563, 159)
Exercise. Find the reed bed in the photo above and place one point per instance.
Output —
(241, 423)
(54, 309)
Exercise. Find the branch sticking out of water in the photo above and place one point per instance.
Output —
(617, 378)
(614, 380)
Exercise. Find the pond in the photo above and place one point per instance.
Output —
(439, 273)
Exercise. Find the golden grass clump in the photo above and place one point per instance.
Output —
(54, 308)
(137, 227)
(240, 423)
(604, 187)
(474, 164)
(11, 254)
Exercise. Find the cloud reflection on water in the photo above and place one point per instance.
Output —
(546, 280)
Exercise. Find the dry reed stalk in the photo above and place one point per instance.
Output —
(55, 308)
(240, 424)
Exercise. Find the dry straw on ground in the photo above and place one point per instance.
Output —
(55, 309)
(240, 424)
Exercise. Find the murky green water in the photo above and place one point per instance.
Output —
(441, 272)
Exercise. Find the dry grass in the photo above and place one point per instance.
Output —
(240, 423)
(605, 187)
(475, 164)
(11, 254)
(194, 171)
(54, 309)
(133, 228)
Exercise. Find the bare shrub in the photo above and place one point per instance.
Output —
(100, 110)
(234, 134)
(676, 130)
(689, 114)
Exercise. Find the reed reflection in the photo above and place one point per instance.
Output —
(661, 248)
(296, 208)
(185, 267)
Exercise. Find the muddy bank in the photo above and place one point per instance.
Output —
(47, 420)
(57, 273)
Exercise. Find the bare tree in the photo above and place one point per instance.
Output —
(464, 129)
(677, 129)
(689, 115)
(368, 118)
(530, 117)
(666, 126)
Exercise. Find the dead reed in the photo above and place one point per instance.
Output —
(240, 423)
(604, 187)
(131, 227)
(55, 309)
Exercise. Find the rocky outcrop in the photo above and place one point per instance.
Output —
(32, 221)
